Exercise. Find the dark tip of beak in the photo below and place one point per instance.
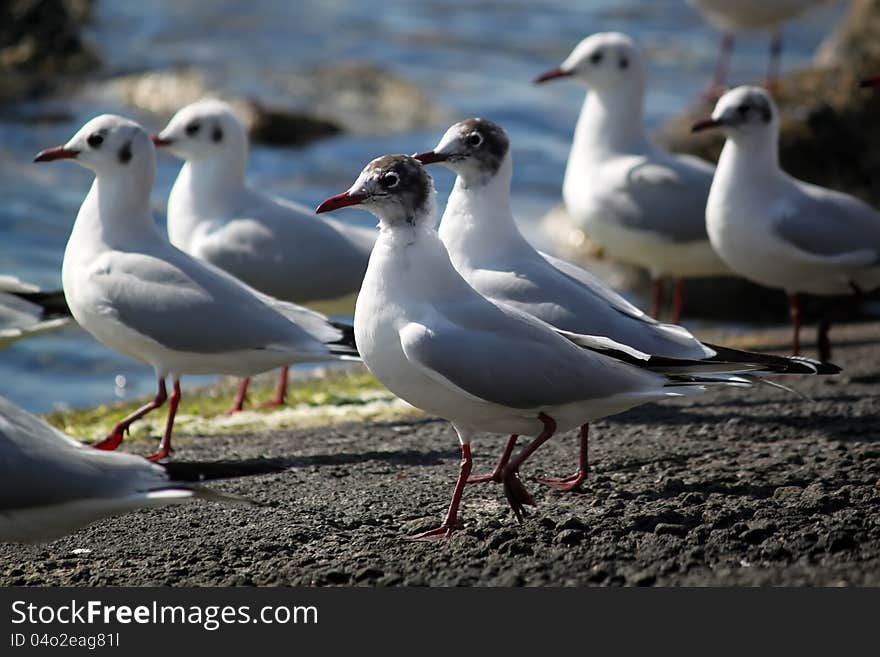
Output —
(430, 157)
(705, 124)
(870, 81)
(342, 200)
(159, 142)
(56, 153)
(552, 74)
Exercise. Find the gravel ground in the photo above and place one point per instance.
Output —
(732, 488)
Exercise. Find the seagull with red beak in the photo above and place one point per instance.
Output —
(139, 295)
(488, 250)
(274, 245)
(779, 231)
(641, 204)
(439, 344)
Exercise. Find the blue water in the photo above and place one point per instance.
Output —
(472, 57)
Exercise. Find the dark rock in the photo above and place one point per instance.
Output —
(671, 529)
(569, 537)
(839, 540)
(41, 40)
(573, 522)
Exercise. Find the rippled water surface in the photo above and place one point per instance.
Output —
(471, 57)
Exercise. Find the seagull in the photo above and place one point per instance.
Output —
(731, 17)
(642, 204)
(486, 247)
(436, 342)
(26, 310)
(139, 295)
(51, 484)
(779, 231)
(276, 246)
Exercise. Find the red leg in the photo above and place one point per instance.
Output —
(795, 303)
(657, 308)
(574, 481)
(517, 495)
(719, 79)
(240, 397)
(451, 521)
(678, 305)
(495, 475)
(114, 439)
(773, 67)
(280, 391)
(165, 446)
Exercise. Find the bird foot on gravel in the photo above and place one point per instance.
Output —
(111, 442)
(517, 495)
(566, 484)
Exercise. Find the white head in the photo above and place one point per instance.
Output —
(395, 188)
(744, 113)
(208, 129)
(108, 145)
(606, 61)
(474, 148)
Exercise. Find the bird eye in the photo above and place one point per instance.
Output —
(596, 57)
(95, 140)
(474, 139)
(743, 110)
(192, 128)
(389, 180)
(624, 62)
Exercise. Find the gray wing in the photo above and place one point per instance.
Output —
(572, 299)
(190, 306)
(40, 466)
(502, 356)
(663, 194)
(824, 222)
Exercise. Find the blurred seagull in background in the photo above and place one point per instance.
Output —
(135, 292)
(641, 204)
(731, 16)
(276, 246)
(488, 250)
(436, 342)
(779, 231)
(51, 484)
(27, 310)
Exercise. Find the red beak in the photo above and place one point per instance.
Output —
(552, 74)
(871, 81)
(56, 153)
(342, 200)
(430, 157)
(159, 142)
(706, 124)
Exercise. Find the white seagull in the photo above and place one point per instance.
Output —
(779, 231)
(642, 204)
(27, 310)
(139, 295)
(51, 484)
(276, 246)
(731, 16)
(443, 347)
(488, 250)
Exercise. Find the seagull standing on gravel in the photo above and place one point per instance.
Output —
(276, 246)
(490, 253)
(437, 343)
(643, 205)
(51, 484)
(27, 310)
(779, 231)
(731, 16)
(139, 295)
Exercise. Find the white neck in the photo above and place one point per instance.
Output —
(207, 189)
(478, 226)
(611, 122)
(750, 162)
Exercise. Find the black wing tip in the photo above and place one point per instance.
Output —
(198, 471)
(776, 364)
(346, 345)
(52, 302)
